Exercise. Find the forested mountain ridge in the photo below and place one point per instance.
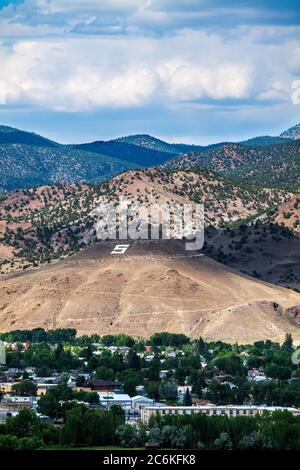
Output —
(265, 165)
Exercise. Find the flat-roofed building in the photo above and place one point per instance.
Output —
(211, 410)
(111, 398)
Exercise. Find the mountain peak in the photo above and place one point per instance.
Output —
(149, 142)
(11, 135)
(292, 132)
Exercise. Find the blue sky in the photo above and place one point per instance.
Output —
(197, 71)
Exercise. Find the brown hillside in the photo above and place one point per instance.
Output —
(44, 223)
(154, 286)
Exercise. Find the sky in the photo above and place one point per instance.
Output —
(194, 71)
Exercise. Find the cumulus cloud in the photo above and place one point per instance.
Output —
(55, 75)
(190, 82)
(85, 73)
(134, 56)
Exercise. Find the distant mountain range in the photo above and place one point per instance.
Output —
(276, 164)
(28, 159)
(250, 191)
(264, 141)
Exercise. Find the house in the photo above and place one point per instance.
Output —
(149, 357)
(101, 385)
(230, 385)
(86, 375)
(118, 349)
(6, 387)
(171, 354)
(42, 388)
(53, 379)
(82, 389)
(30, 370)
(163, 374)
(256, 375)
(139, 401)
(182, 389)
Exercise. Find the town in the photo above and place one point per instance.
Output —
(60, 390)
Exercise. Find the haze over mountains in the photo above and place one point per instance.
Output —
(252, 211)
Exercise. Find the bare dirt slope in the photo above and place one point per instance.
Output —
(154, 286)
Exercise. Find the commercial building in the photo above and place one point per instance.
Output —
(211, 410)
(111, 398)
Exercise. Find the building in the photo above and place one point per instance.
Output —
(82, 389)
(101, 385)
(182, 389)
(211, 410)
(6, 387)
(255, 375)
(163, 374)
(19, 402)
(111, 398)
(43, 388)
(140, 401)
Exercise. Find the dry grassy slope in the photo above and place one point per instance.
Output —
(288, 214)
(224, 201)
(48, 222)
(153, 287)
(24, 213)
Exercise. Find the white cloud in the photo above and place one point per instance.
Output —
(68, 77)
(222, 81)
(74, 73)
(277, 91)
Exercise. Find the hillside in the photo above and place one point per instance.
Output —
(40, 224)
(24, 166)
(153, 287)
(135, 154)
(224, 200)
(152, 143)
(149, 142)
(288, 214)
(264, 250)
(9, 135)
(273, 164)
(264, 141)
(28, 159)
(292, 133)
(279, 170)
